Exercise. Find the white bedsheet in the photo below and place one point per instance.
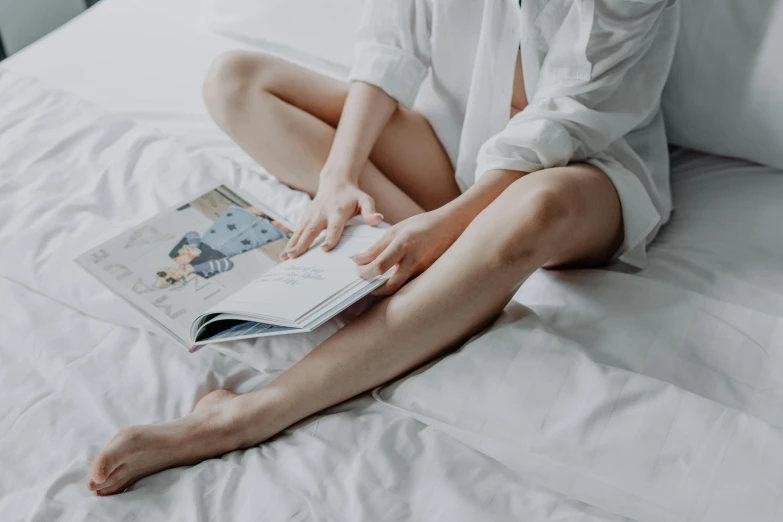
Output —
(634, 396)
(76, 363)
(725, 239)
(144, 60)
(156, 80)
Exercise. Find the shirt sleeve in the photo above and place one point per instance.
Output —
(601, 78)
(393, 47)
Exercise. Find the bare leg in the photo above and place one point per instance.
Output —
(560, 216)
(284, 116)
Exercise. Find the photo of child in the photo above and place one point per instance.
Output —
(236, 231)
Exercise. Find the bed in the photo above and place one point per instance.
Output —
(600, 395)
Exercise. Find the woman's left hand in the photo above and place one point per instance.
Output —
(411, 245)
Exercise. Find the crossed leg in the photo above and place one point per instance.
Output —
(284, 116)
(561, 216)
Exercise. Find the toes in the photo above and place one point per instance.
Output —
(114, 483)
(119, 487)
(101, 468)
(111, 457)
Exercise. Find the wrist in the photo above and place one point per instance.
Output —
(454, 217)
(463, 208)
(341, 172)
(472, 202)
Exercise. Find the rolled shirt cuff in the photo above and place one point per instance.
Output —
(398, 72)
(528, 147)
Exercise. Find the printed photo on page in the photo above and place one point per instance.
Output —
(185, 260)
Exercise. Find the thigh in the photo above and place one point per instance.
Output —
(571, 214)
(408, 152)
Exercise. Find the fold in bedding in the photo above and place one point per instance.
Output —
(70, 382)
(634, 396)
(608, 396)
(77, 364)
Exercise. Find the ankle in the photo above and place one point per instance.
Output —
(254, 417)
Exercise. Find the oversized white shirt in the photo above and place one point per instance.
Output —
(593, 70)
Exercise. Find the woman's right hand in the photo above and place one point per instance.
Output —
(334, 204)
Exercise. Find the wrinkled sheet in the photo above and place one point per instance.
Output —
(155, 79)
(723, 240)
(77, 364)
(635, 396)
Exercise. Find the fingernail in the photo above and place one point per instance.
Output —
(378, 214)
(325, 247)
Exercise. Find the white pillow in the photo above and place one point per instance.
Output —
(317, 28)
(724, 95)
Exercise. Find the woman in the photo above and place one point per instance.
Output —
(536, 141)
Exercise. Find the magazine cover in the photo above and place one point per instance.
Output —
(183, 261)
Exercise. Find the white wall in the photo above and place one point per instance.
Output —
(24, 21)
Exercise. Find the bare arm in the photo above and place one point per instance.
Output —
(366, 112)
(463, 210)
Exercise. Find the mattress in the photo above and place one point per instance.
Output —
(113, 130)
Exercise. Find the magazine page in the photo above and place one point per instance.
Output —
(294, 288)
(184, 261)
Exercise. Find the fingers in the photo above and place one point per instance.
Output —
(309, 233)
(384, 262)
(291, 245)
(304, 236)
(374, 251)
(401, 276)
(335, 228)
(369, 214)
(317, 219)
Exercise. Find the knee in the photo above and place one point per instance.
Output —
(530, 224)
(233, 77)
(546, 209)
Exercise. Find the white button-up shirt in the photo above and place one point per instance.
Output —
(593, 70)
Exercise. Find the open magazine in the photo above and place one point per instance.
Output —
(209, 271)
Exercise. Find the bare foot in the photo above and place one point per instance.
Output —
(213, 428)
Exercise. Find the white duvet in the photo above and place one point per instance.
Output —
(77, 364)
(608, 396)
